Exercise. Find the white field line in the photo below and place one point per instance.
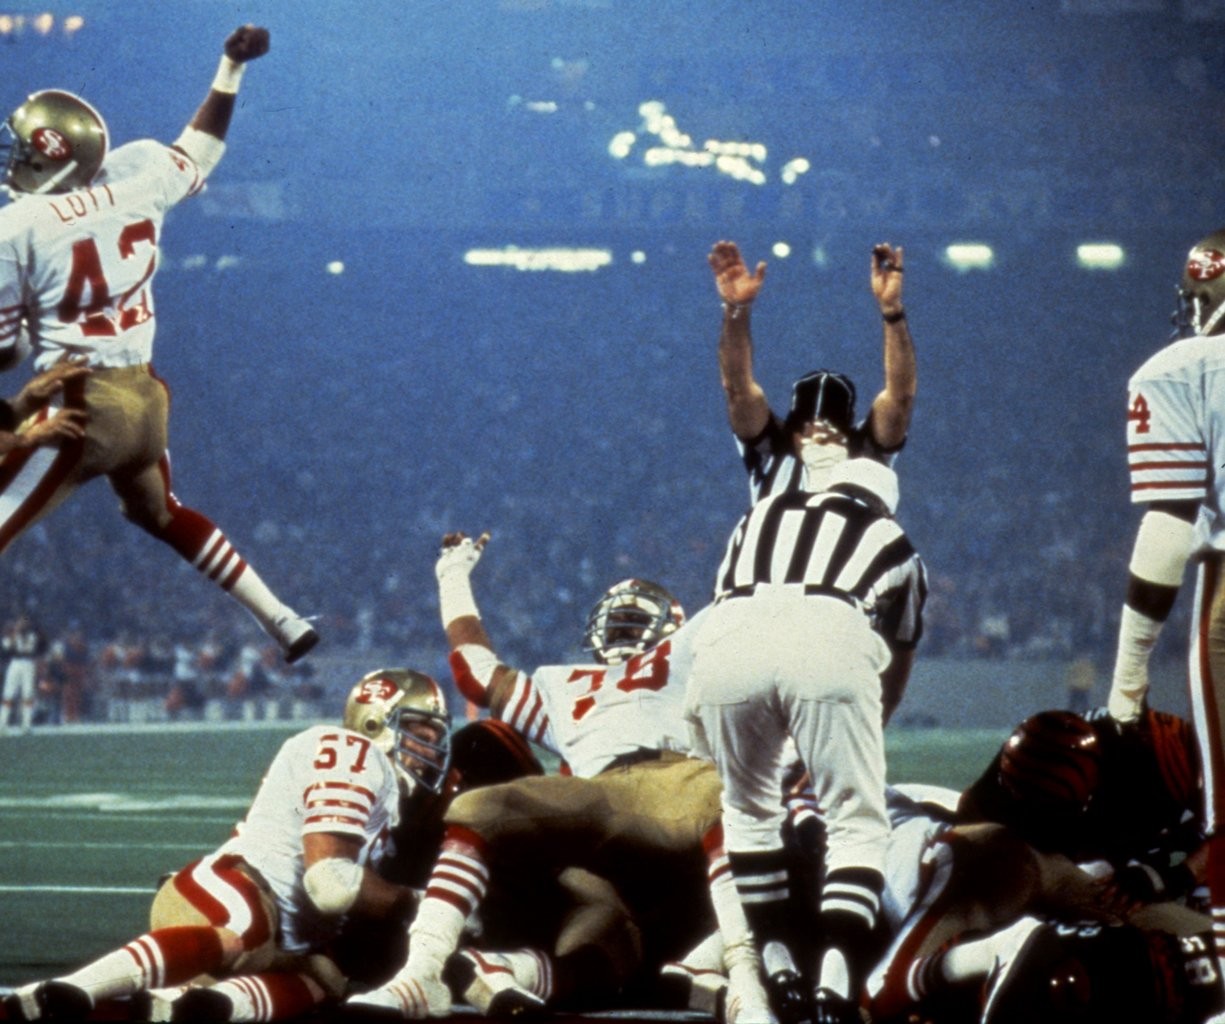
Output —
(16, 844)
(92, 890)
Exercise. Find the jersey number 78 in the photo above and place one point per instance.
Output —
(646, 671)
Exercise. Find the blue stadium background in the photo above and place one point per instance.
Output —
(336, 424)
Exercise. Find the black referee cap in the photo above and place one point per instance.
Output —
(823, 395)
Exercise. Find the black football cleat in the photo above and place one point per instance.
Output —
(789, 997)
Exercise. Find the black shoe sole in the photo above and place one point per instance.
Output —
(301, 647)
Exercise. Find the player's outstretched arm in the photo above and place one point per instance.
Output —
(474, 662)
(204, 137)
(892, 408)
(748, 411)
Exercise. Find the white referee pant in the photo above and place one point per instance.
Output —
(19, 687)
(780, 663)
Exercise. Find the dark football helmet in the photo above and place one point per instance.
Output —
(1201, 293)
(1088, 974)
(631, 617)
(404, 713)
(1052, 761)
(53, 142)
(488, 751)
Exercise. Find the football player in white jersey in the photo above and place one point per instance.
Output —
(629, 794)
(1176, 460)
(78, 252)
(797, 453)
(261, 910)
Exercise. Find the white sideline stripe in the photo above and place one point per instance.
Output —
(10, 844)
(104, 890)
(125, 802)
(58, 733)
(191, 819)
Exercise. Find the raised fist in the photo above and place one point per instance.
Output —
(246, 43)
(459, 553)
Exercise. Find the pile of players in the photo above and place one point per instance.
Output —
(389, 868)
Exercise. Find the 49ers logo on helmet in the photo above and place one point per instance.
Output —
(1206, 265)
(376, 689)
(51, 144)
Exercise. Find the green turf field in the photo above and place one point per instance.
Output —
(89, 820)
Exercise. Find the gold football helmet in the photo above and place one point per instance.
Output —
(404, 713)
(1201, 292)
(632, 617)
(53, 142)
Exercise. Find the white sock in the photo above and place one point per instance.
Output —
(253, 594)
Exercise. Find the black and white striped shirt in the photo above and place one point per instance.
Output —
(773, 467)
(837, 542)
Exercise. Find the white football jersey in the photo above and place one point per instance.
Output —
(76, 269)
(1176, 431)
(590, 714)
(325, 779)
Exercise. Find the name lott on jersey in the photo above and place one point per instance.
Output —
(74, 206)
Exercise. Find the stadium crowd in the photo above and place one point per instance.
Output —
(585, 477)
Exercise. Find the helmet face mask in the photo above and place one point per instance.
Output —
(422, 751)
(632, 617)
(1201, 293)
(404, 713)
(54, 142)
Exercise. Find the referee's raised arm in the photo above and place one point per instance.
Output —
(891, 409)
(748, 410)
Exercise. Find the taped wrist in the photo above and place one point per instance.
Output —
(229, 75)
(206, 150)
(1158, 560)
(1137, 635)
(332, 884)
(455, 596)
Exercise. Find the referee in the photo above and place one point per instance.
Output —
(818, 608)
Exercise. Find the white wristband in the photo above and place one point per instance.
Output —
(455, 597)
(229, 74)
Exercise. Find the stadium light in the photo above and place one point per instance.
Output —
(561, 259)
(792, 170)
(963, 256)
(1100, 256)
(621, 144)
